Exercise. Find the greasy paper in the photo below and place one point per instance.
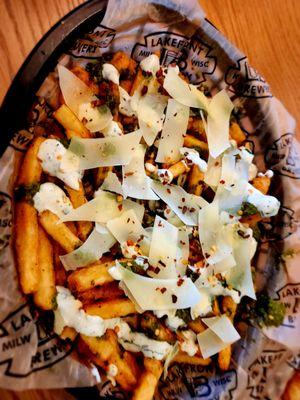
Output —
(30, 356)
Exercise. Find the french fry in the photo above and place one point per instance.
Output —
(292, 390)
(70, 122)
(106, 292)
(84, 76)
(195, 180)
(107, 351)
(91, 276)
(237, 134)
(44, 297)
(26, 245)
(197, 325)
(101, 174)
(195, 125)
(224, 356)
(183, 358)
(192, 141)
(26, 222)
(138, 80)
(150, 323)
(68, 334)
(78, 198)
(59, 270)
(127, 67)
(178, 168)
(111, 309)
(31, 170)
(262, 183)
(148, 381)
(59, 231)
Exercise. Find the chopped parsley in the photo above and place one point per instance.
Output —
(184, 314)
(133, 266)
(95, 70)
(26, 192)
(264, 312)
(248, 209)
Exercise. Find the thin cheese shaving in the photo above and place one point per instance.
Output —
(163, 249)
(174, 129)
(112, 183)
(157, 294)
(98, 243)
(136, 183)
(103, 152)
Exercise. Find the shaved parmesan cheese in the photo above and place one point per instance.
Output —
(125, 103)
(126, 227)
(240, 277)
(110, 73)
(112, 183)
(112, 129)
(94, 118)
(215, 238)
(183, 92)
(103, 152)
(92, 250)
(157, 294)
(183, 251)
(103, 208)
(268, 206)
(151, 115)
(150, 64)
(163, 249)
(217, 132)
(136, 183)
(184, 205)
(212, 176)
(74, 90)
(174, 129)
(220, 334)
(192, 156)
(51, 197)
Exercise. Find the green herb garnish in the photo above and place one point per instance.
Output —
(26, 192)
(184, 314)
(248, 209)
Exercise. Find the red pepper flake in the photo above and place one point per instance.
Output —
(120, 206)
(182, 242)
(192, 209)
(167, 211)
(144, 90)
(217, 163)
(169, 191)
(84, 120)
(128, 220)
(184, 209)
(96, 103)
(222, 181)
(174, 298)
(183, 199)
(160, 224)
(156, 270)
(180, 282)
(128, 174)
(163, 290)
(162, 263)
(231, 216)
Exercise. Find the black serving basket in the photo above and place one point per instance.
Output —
(42, 60)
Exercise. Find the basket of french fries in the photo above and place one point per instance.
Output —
(152, 249)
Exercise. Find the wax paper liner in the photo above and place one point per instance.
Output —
(30, 357)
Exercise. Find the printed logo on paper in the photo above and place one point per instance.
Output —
(191, 55)
(5, 219)
(90, 47)
(245, 81)
(197, 382)
(21, 140)
(109, 391)
(20, 335)
(283, 158)
(278, 227)
(294, 361)
(259, 370)
(289, 295)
